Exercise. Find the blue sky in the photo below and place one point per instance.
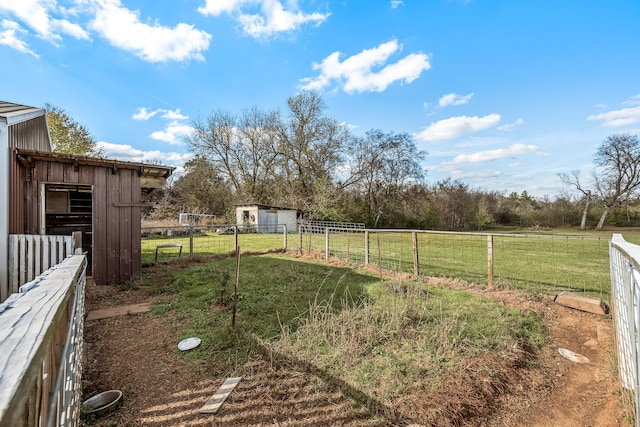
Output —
(503, 95)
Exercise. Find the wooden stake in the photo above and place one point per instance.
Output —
(235, 290)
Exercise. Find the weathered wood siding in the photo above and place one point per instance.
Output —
(116, 229)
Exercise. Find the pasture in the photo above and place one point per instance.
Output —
(550, 262)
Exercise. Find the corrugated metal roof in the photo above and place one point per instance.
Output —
(144, 169)
(15, 113)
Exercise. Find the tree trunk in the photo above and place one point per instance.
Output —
(583, 223)
(603, 218)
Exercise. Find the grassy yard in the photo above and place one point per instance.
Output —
(545, 261)
(381, 340)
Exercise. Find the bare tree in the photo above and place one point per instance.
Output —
(574, 181)
(382, 164)
(311, 146)
(242, 148)
(271, 159)
(617, 172)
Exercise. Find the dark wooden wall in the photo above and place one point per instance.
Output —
(116, 228)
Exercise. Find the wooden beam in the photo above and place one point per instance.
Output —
(213, 405)
(133, 204)
(144, 169)
(152, 182)
(118, 311)
(582, 303)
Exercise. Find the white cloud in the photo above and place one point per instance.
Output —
(618, 118)
(9, 37)
(40, 16)
(633, 101)
(454, 127)
(454, 99)
(490, 155)
(510, 126)
(218, 7)
(458, 174)
(173, 133)
(174, 115)
(128, 153)
(143, 114)
(396, 3)
(271, 18)
(151, 42)
(74, 30)
(120, 26)
(275, 19)
(356, 73)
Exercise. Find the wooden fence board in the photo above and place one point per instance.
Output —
(31, 255)
(30, 324)
(213, 405)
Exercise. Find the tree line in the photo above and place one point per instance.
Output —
(304, 159)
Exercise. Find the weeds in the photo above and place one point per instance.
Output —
(376, 340)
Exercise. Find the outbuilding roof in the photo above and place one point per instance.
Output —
(153, 176)
(264, 207)
(16, 113)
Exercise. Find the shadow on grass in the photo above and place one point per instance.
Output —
(390, 414)
(273, 291)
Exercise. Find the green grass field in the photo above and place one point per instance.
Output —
(550, 261)
(388, 342)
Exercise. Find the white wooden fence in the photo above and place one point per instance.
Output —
(625, 296)
(32, 254)
(41, 349)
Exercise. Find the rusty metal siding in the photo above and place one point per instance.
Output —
(30, 135)
(100, 225)
(116, 224)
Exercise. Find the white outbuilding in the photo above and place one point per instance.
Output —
(267, 219)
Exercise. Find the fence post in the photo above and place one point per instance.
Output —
(77, 241)
(284, 231)
(235, 238)
(490, 260)
(326, 243)
(416, 263)
(366, 247)
(190, 240)
(300, 237)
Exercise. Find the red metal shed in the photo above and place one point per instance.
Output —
(42, 192)
(62, 193)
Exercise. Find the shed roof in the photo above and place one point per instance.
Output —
(16, 113)
(261, 206)
(151, 172)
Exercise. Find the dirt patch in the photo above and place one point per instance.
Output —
(138, 354)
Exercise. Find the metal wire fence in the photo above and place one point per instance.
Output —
(546, 263)
(543, 263)
(164, 243)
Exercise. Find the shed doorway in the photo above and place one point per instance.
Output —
(68, 208)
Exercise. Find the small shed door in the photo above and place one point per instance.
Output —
(67, 208)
